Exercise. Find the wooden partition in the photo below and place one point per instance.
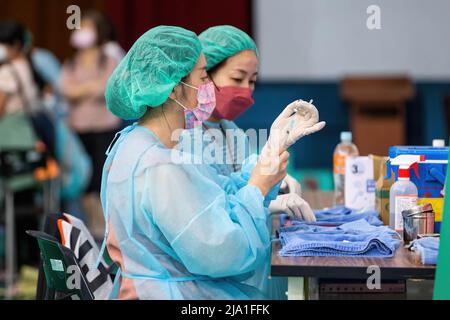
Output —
(377, 111)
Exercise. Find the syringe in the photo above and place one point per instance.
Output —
(297, 109)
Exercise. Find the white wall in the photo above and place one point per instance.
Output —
(326, 39)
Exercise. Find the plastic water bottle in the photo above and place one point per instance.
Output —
(343, 150)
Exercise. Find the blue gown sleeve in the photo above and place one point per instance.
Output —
(213, 233)
(240, 179)
(191, 141)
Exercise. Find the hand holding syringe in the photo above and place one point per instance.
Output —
(297, 120)
(308, 116)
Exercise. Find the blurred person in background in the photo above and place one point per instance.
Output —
(75, 164)
(20, 90)
(83, 84)
(20, 83)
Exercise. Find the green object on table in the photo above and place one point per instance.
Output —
(442, 282)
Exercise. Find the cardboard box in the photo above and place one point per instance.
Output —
(382, 188)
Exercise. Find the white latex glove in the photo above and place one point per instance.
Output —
(298, 119)
(290, 185)
(294, 206)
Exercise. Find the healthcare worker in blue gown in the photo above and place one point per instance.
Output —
(232, 60)
(177, 229)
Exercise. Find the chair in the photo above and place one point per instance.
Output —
(16, 168)
(60, 267)
(45, 291)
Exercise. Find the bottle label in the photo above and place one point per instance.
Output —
(403, 203)
(339, 163)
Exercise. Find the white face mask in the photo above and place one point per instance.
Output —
(3, 53)
(83, 38)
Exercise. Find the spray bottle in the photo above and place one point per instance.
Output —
(403, 193)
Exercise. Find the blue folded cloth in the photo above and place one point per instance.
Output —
(357, 238)
(338, 215)
(428, 248)
(342, 215)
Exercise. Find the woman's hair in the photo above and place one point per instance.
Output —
(105, 28)
(216, 67)
(213, 70)
(13, 33)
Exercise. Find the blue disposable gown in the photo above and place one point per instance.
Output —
(226, 158)
(235, 149)
(184, 231)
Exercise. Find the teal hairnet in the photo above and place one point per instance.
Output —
(155, 64)
(221, 42)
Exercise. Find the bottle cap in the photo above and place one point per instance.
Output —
(438, 143)
(403, 173)
(346, 136)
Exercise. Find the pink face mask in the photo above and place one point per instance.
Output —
(83, 38)
(206, 103)
(232, 102)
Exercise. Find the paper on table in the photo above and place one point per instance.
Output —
(359, 183)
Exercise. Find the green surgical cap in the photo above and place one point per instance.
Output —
(221, 42)
(155, 64)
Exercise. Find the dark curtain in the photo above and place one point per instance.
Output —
(133, 18)
(47, 18)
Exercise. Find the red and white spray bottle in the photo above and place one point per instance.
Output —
(403, 193)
